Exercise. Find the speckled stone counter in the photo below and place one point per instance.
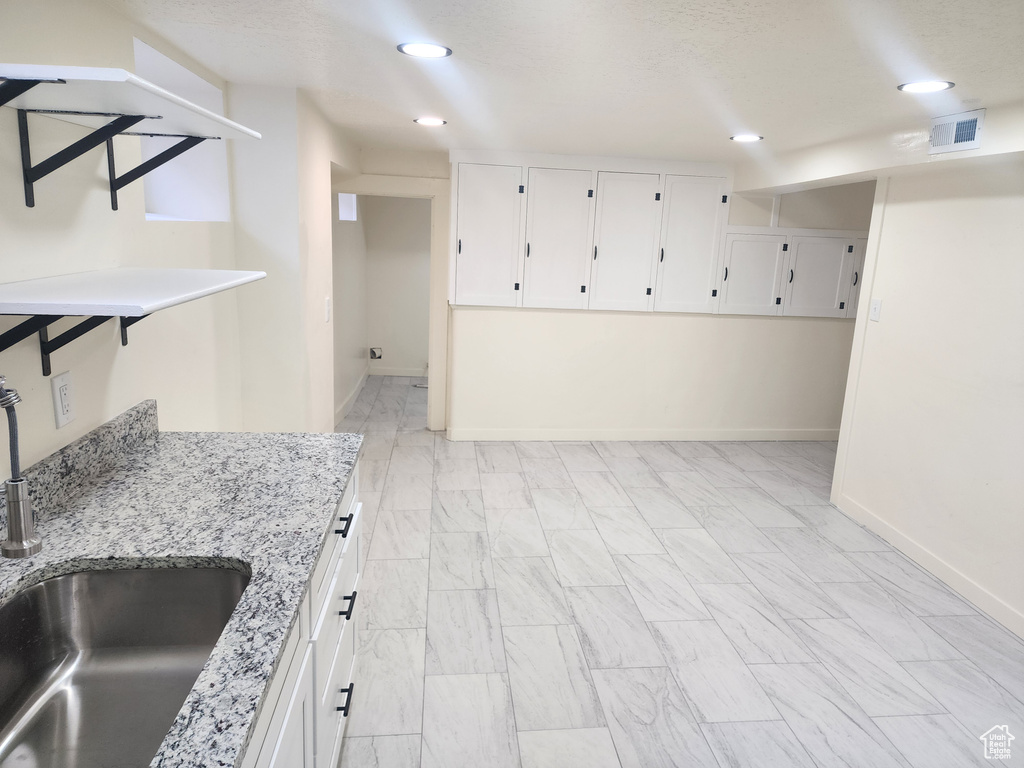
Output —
(129, 496)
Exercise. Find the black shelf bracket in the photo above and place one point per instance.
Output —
(117, 182)
(12, 89)
(48, 346)
(22, 331)
(40, 324)
(33, 173)
(126, 323)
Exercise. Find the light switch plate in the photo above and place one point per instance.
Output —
(63, 400)
(876, 310)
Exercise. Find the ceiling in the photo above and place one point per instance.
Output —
(640, 78)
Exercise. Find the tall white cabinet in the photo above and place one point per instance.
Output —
(625, 235)
(695, 212)
(559, 237)
(487, 235)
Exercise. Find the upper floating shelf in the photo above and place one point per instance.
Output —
(118, 292)
(63, 90)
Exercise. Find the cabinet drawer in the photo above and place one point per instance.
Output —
(330, 721)
(335, 619)
(343, 530)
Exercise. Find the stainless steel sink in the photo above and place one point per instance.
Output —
(94, 666)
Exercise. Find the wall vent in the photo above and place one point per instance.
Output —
(952, 133)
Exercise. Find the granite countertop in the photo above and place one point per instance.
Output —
(129, 496)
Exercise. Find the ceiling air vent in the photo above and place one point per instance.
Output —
(953, 133)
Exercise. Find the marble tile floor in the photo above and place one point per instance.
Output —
(647, 605)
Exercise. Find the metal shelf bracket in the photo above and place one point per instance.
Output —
(117, 182)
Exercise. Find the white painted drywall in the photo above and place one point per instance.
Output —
(351, 353)
(397, 282)
(844, 206)
(283, 223)
(933, 429)
(566, 375)
(186, 357)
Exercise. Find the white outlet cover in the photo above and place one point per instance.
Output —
(876, 310)
(63, 399)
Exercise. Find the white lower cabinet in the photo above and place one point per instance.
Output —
(303, 718)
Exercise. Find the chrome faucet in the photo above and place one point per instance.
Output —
(21, 525)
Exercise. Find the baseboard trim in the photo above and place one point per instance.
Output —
(966, 587)
(677, 435)
(343, 410)
(377, 371)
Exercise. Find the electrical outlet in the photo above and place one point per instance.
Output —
(63, 399)
(876, 310)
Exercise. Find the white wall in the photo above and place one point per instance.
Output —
(932, 439)
(564, 375)
(397, 282)
(186, 357)
(351, 352)
(843, 206)
(283, 221)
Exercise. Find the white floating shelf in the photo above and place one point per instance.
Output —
(123, 291)
(117, 92)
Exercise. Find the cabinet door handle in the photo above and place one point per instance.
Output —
(348, 699)
(855, 277)
(527, 250)
(351, 604)
(662, 255)
(460, 245)
(791, 275)
(595, 253)
(348, 524)
(726, 275)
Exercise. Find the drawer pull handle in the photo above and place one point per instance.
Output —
(351, 604)
(348, 699)
(348, 524)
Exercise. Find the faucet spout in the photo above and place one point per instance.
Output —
(22, 540)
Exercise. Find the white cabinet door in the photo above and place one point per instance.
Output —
(487, 238)
(688, 257)
(559, 223)
(294, 747)
(625, 240)
(752, 275)
(856, 276)
(815, 284)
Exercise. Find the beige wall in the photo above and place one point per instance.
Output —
(351, 353)
(186, 357)
(933, 429)
(844, 206)
(283, 224)
(564, 375)
(397, 282)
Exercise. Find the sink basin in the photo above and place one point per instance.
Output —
(95, 665)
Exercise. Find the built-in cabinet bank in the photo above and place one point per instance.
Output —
(550, 235)
(303, 720)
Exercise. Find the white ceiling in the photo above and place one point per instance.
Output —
(650, 78)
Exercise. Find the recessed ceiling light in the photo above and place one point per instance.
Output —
(746, 137)
(433, 121)
(425, 50)
(926, 86)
